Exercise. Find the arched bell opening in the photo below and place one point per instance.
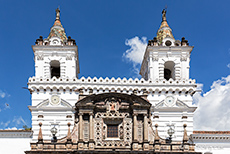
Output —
(55, 70)
(169, 70)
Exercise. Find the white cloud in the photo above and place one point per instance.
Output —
(16, 122)
(5, 124)
(19, 121)
(2, 94)
(13, 128)
(136, 51)
(228, 65)
(3, 106)
(213, 112)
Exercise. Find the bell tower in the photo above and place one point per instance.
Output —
(166, 66)
(56, 56)
(53, 97)
(166, 58)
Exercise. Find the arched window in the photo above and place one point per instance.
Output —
(169, 71)
(55, 69)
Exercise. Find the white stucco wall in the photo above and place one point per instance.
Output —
(14, 145)
(215, 142)
(214, 148)
(14, 141)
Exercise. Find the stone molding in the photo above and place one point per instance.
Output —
(15, 134)
(211, 136)
(112, 85)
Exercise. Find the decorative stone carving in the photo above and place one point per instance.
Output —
(155, 58)
(102, 119)
(86, 130)
(140, 131)
(112, 105)
(39, 56)
(183, 58)
(69, 56)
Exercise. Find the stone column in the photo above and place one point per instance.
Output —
(80, 142)
(135, 127)
(146, 143)
(145, 128)
(91, 128)
(80, 127)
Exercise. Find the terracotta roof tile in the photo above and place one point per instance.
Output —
(211, 132)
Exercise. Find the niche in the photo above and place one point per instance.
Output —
(55, 69)
(169, 70)
(86, 117)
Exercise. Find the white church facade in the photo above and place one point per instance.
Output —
(165, 83)
(153, 114)
(165, 86)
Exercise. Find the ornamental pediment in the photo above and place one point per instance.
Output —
(49, 103)
(171, 102)
(113, 102)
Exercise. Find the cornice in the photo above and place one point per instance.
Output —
(34, 108)
(187, 86)
(211, 136)
(174, 109)
(54, 48)
(16, 134)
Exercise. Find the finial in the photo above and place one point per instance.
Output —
(68, 134)
(185, 137)
(40, 138)
(40, 124)
(184, 42)
(185, 125)
(58, 14)
(164, 15)
(157, 138)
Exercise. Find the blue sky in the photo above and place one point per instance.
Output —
(101, 28)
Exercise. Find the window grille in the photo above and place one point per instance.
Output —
(112, 130)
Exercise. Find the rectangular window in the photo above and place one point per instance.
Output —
(112, 130)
